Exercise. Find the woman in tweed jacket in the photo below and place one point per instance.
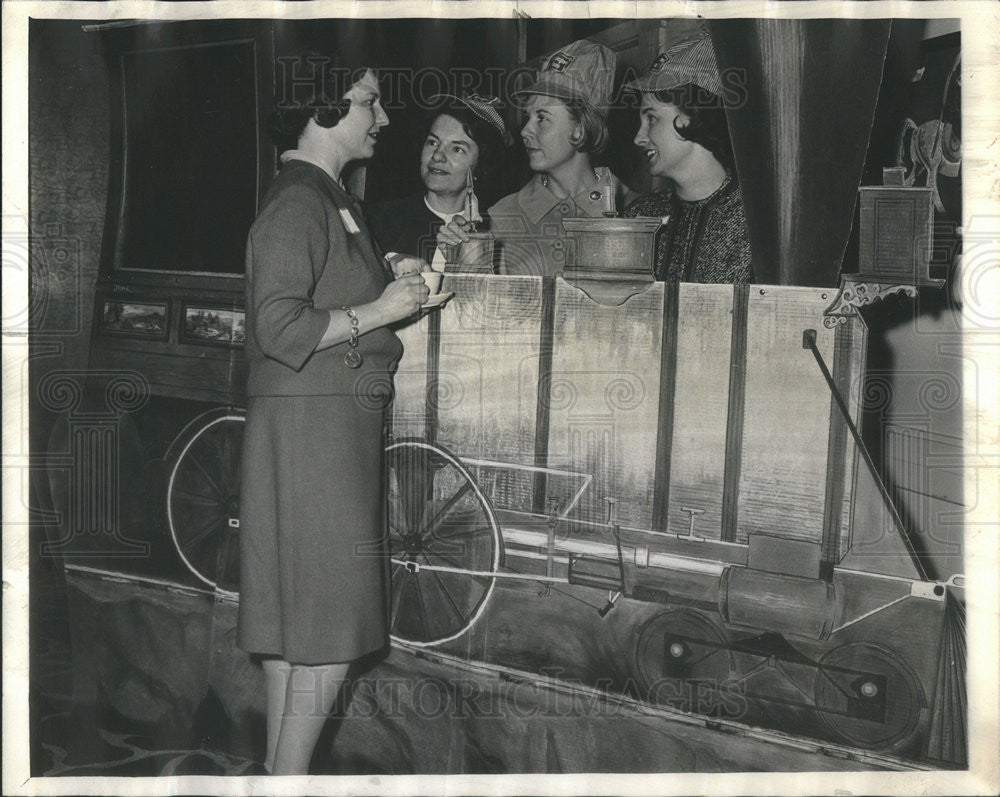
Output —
(685, 138)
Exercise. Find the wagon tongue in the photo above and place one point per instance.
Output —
(809, 342)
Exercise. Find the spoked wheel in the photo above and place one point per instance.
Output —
(868, 696)
(444, 544)
(681, 660)
(203, 500)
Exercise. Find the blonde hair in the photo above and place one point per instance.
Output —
(594, 123)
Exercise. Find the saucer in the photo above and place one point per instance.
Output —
(437, 300)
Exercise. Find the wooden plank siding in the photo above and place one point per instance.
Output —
(786, 425)
(488, 378)
(686, 396)
(701, 399)
(605, 398)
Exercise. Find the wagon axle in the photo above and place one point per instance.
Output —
(414, 544)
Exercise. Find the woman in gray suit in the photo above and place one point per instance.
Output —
(319, 301)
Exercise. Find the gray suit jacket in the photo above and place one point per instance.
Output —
(309, 251)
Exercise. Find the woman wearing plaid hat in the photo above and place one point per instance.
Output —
(685, 137)
(462, 136)
(565, 123)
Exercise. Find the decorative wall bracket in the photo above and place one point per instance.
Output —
(854, 294)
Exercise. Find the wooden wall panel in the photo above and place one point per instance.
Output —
(488, 378)
(605, 398)
(409, 408)
(172, 365)
(69, 126)
(782, 484)
(701, 399)
(599, 412)
(215, 376)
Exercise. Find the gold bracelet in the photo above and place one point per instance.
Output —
(352, 359)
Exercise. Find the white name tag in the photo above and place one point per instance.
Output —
(349, 222)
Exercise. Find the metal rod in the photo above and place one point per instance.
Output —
(809, 342)
(415, 567)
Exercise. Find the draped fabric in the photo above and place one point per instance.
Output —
(803, 96)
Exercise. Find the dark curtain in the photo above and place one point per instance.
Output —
(806, 92)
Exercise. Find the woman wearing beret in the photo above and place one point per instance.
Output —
(319, 301)
(565, 123)
(685, 138)
(462, 136)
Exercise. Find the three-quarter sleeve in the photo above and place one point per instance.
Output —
(287, 249)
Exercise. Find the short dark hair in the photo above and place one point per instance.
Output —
(486, 136)
(309, 85)
(707, 125)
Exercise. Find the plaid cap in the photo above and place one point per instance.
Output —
(689, 61)
(486, 108)
(583, 70)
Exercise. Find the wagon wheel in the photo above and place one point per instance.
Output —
(203, 500)
(444, 544)
(868, 696)
(681, 660)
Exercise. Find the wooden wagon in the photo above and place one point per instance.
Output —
(661, 497)
(684, 454)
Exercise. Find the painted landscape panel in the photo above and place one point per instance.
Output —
(146, 319)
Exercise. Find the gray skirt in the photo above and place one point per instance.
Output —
(313, 565)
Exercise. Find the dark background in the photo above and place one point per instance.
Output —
(194, 173)
(418, 57)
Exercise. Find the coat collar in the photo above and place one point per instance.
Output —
(726, 187)
(535, 199)
(343, 196)
(308, 157)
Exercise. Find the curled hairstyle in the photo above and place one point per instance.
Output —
(707, 124)
(310, 85)
(486, 136)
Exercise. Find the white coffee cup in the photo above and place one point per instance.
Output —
(432, 280)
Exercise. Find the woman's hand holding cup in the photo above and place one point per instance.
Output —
(403, 297)
(405, 264)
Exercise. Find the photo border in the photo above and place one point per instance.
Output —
(981, 210)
